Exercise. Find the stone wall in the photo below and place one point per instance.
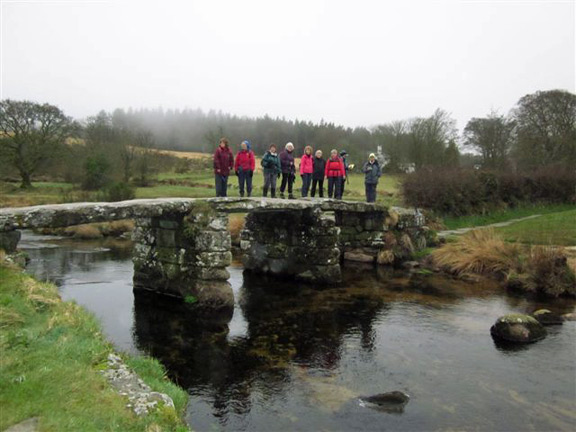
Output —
(380, 236)
(184, 256)
(299, 244)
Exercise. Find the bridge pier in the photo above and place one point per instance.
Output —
(361, 234)
(299, 244)
(184, 256)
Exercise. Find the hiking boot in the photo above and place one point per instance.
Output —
(282, 195)
(265, 192)
(272, 193)
(291, 196)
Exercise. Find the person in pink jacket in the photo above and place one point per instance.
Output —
(306, 170)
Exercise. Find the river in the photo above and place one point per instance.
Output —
(295, 358)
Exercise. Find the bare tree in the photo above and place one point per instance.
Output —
(31, 135)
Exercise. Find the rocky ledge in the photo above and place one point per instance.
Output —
(141, 398)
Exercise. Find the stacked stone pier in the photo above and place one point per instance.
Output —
(182, 245)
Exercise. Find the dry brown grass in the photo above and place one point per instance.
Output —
(87, 232)
(236, 225)
(479, 251)
(549, 272)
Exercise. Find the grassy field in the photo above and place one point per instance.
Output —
(192, 185)
(504, 215)
(51, 354)
(549, 229)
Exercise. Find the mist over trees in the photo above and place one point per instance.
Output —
(116, 147)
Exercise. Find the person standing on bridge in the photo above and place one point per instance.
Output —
(223, 164)
(306, 170)
(372, 173)
(244, 168)
(272, 169)
(288, 170)
(336, 174)
(318, 175)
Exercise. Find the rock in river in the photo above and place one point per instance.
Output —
(518, 328)
(388, 402)
(546, 317)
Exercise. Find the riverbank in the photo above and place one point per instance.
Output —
(53, 353)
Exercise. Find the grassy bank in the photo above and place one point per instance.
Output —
(549, 229)
(51, 354)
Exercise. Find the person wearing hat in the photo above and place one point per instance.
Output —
(244, 168)
(288, 170)
(372, 173)
(344, 156)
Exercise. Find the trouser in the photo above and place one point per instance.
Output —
(306, 180)
(320, 184)
(287, 180)
(270, 183)
(370, 192)
(245, 178)
(343, 186)
(335, 187)
(221, 185)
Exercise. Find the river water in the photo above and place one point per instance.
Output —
(295, 358)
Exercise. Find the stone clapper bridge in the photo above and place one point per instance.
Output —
(182, 246)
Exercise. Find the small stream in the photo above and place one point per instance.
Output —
(294, 358)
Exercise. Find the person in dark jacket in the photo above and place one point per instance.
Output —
(372, 173)
(288, 170)
(344, 157)
(244, 168)
(318, 175)
(272, 169)
(336, 174)
(223, 163)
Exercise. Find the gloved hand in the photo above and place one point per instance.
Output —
(251, 173)
(236, 172)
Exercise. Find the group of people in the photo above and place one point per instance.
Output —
(313, 170)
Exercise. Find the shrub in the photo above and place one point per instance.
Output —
(466, 191)
(119, 191)
(96, 172)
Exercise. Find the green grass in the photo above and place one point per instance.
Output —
(51, 354)
(199, 184)
(549, 229)
(503, 215)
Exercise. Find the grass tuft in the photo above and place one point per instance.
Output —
(479, 251)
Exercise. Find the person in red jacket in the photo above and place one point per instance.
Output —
(306, 170)
(244, 167)
(223, 163)
(336, 174)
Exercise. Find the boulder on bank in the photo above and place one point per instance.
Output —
(546, 317)
(518, 328)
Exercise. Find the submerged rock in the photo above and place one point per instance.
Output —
(518, 328)
(546, 317)
(569, 317)
(393, 401)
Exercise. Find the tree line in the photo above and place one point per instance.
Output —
(540, 130)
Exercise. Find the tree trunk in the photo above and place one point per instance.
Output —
(26, 180)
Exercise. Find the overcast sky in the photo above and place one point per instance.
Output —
(356, 63)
